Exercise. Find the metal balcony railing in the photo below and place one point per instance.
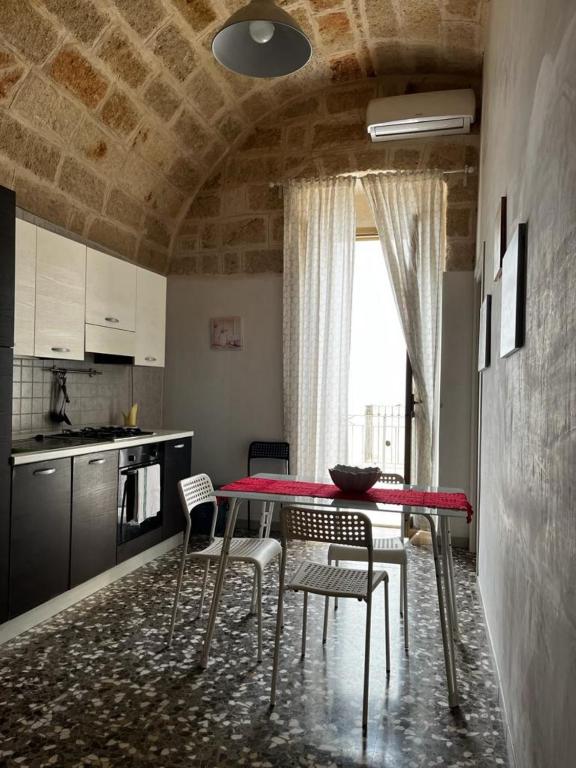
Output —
(377, 437)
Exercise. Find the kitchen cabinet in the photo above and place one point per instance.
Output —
(71, 299)
(150, 318)
(108, 341)
(110, 291)
(177, 466)
(60, 296)
(7, 226)
(7, 235)
(40, 533)
(94, 515)
(25, 282)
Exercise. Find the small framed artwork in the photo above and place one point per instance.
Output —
(513, 309)
(226, 333)
(484, 335)
(500, 232)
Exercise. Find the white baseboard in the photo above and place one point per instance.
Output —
(48, 610)
(502, 701)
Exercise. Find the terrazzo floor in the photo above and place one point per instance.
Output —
(96, 685)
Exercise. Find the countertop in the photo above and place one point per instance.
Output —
(43, 454)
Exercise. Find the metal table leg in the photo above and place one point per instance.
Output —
(263, 532)
(445, 624)
(448, 571)
(219, 584)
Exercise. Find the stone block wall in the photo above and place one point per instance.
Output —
(235, 222)
(114, 112)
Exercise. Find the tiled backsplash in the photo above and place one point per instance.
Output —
(93, 400)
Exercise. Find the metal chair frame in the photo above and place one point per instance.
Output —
(274, 450)
(329, 526)
(193, 492)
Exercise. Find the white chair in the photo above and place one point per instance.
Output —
(198, 490)
(390, 550)
(329, 526)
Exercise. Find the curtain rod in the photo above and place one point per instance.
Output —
(468, 170)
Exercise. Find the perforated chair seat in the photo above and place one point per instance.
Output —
(330, 580)
(386, 550)
(255, 551)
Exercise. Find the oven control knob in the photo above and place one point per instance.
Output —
(131, 457)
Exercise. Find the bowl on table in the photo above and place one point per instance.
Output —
(354, 479)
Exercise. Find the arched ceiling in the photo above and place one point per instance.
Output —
(113, 112)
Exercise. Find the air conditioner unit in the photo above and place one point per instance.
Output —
(437, 113)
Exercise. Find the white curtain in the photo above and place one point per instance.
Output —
(410, 214)
(319, 234)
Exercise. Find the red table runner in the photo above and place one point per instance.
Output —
(400, 496)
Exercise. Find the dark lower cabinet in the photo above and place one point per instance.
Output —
(94, 513)
(177, 466)
(40, 533)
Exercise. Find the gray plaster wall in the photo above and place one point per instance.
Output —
(527, 533)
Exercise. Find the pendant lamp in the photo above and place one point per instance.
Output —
(261, 40)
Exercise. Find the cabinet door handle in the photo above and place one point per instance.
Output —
(60, 349)
(111, 319)
(180, 445)
(47, 471)
(150, 359)
(97, 461)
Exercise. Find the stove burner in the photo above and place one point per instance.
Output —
(109, 433)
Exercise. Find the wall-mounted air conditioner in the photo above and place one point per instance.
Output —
(437, 113)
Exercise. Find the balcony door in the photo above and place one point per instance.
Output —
(378, 392)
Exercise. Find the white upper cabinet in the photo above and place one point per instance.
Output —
(150, 318)
(110, 291)
(60, 296)
(25, 298)
(71, 299)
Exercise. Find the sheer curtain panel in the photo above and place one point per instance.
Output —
(319, 235)
(410, 214)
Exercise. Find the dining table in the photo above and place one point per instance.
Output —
(437, 505)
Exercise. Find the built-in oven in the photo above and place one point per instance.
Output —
(139, 493)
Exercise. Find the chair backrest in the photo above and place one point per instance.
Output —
(269, 449)
(194, 491)
(392, 478)
(325, 525)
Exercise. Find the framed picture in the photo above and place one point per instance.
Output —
(226, 333)
(513, 309)
(485, 335)
(500, 232)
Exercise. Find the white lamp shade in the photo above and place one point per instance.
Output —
(285, 51)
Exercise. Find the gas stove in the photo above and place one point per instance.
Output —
(75, 437)
(97, 433)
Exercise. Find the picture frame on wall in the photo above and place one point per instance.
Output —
(485, 334)
(513, 303)
(226, 333)
(500, 239)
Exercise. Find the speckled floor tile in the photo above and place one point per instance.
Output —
(96, 686)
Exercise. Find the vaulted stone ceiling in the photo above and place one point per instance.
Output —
(113, 112)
